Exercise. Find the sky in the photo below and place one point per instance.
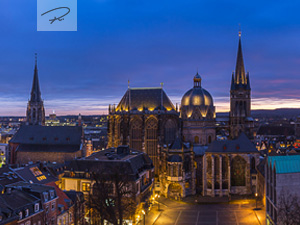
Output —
(149, 42)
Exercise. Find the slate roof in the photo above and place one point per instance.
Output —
(27, 173)
(177, 144)
(8, 176)
(18, 199)
(48, 135)
(276, 130)
(48, 148)
(149, 98)
(285, 164)
(35, 188)
(107, 160)
(199, 150)
(242, 144)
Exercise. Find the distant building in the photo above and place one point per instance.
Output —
(240, 98)
(43, 143)
(35, 114)
(229, 167)
(282, 184)
(3, 153)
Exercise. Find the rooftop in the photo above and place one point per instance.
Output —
(285, 164)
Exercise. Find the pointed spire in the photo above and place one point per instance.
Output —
(240, 76)
(35, 91)
(232, 82)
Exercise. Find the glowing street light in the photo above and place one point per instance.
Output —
(144, 213)
(256, 195)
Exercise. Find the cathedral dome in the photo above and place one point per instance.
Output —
(197, 101)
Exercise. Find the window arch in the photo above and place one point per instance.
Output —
(170, 131)
(238, 171)
(151, 141)
(136, 134)
(209, 139)
(196, 140)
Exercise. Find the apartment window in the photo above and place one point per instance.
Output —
(86, 187)
(53, 206)
(39, 223)
(26, 212)
(36, 207)
(70, 217)
(46, 196)
(51, 194)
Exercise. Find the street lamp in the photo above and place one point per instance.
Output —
(256, 200)
(143, 211)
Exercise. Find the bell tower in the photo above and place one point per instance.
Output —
(240, 98)
(35, 114)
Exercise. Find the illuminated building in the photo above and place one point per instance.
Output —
(229, 167)
(144, 119)
(240, 99)
(177, 170)
(198, 115)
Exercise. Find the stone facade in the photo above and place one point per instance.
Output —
(240, 99)
(229, 167)
(177, 171)
(143, 122)
(58, 157)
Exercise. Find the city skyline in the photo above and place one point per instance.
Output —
(85, 71)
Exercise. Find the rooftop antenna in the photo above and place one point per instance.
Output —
(240, 30)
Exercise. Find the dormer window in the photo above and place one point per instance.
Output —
(26, 212)
(51, 194)
(20, 215)
(36, 207)
(45, 196)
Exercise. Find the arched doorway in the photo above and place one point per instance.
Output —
(174, 191)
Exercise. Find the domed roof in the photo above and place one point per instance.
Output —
(197, 101)
(197, 96)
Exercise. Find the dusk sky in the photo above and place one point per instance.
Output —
(149, 42)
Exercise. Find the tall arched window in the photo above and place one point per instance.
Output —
(151, 141)
(224, 172)
(217, 172)
(209, 139)
(238, 171)
(196, 140)
(136, 134)
(170, 131)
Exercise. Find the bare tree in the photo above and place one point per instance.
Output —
(288, 209)
(112, 196)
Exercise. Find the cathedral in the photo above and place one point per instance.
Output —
(173, 137)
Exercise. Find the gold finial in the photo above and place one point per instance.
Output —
(161, 84)
(240, 30)
(128, 84)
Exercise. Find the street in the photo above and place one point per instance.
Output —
(178, 213)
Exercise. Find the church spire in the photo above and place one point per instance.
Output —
(35, 91)
(35, 114)
(240, 76)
